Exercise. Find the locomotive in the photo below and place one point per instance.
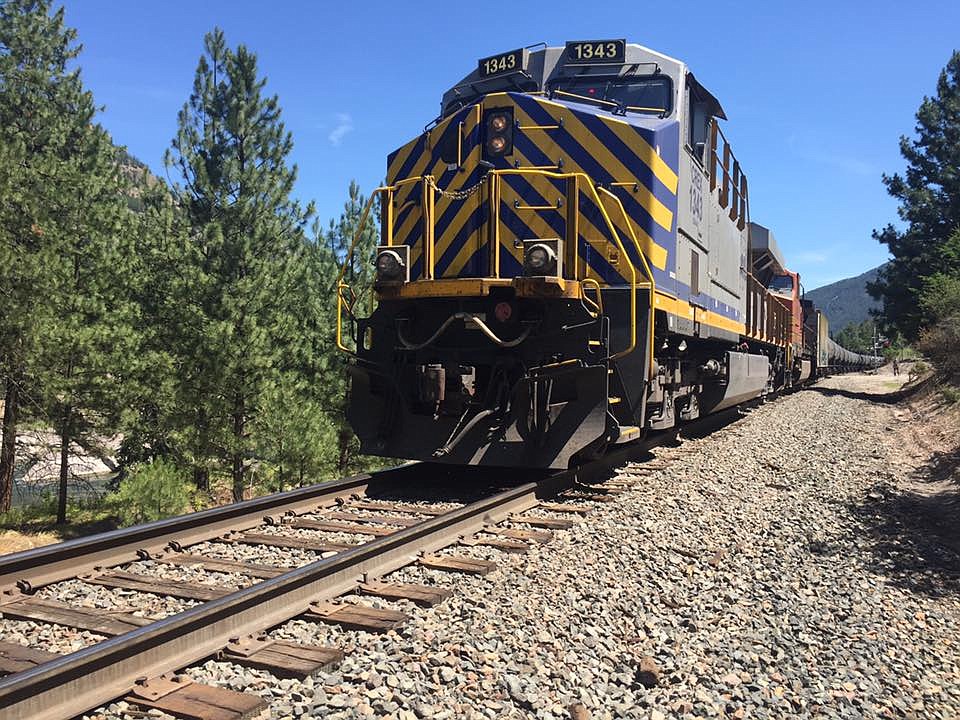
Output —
(567, 262)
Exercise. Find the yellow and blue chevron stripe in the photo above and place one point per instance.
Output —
(628, 159)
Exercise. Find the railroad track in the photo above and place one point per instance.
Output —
(350, 534)
(359, 529)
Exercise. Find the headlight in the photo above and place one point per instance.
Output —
(389, 265)
(497, 133)
(539, 259)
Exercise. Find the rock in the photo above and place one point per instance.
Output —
(648, 672)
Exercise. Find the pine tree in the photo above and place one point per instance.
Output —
(929, 195)
(60, 221)
(331, 252)
(231, 152)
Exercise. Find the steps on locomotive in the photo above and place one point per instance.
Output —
(628, 433)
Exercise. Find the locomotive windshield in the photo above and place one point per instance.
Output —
(468, 93)
(650, 94)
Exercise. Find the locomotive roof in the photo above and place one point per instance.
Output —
(544, 65)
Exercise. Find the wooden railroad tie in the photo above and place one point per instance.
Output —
(220, 565)
(396, 507)
(284, 541)
(537, 536)
(397, 520)
(511, 546)
(593, 496)
(15, 657)
(424, 595)
(157, 586)
(280, 658)
(356, 617)
(177, 695)
(592, 492)
(341, 527)
(544, 522)
(565, 508)
(458, 563)
(102, 622)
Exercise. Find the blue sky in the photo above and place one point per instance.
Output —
(817, 93)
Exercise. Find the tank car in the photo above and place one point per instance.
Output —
(566, 262)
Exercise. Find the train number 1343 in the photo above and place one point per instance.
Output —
(596, 50)
(502, 63)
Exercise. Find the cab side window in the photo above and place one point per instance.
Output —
(698, 121)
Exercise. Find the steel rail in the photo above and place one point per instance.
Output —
(75, 683)
(30, 569)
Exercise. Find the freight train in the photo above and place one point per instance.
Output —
(566, 263)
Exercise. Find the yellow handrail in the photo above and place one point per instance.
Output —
(613, 234)
(598, 304)
(341, 285)
(643, 258)
(494, 240)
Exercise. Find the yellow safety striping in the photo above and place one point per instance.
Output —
(533, 219)
(632, 139)
(661, 214)
(682, 308)
(596, 238)
(656, 253)
(400, 159)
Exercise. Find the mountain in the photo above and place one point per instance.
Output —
(846, 301)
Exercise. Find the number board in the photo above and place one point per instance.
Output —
(596, 51)
(503, 63)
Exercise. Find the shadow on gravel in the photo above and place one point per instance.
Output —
(916, 535)
(888, 398)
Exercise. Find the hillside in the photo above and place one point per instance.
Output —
(846, 301)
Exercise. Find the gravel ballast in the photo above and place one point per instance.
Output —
(746, 579)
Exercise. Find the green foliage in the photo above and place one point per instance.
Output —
(150, 491)
(857, 336)
(65, 245)
(951, 395)
(330, 253)
(941, 343)
(243, 308)
(929, 197)
(196, 321)
(298, 439)
(940, 292)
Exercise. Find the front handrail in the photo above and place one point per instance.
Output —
(643, 258)
(591, 188)
(341, 285)
(346, 298)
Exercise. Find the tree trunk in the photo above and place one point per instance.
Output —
(238, 430)
(8, 451)
(201, 474)
(343, 461)
(344, 436)
(201, 478)
(280, 471)
(64, 465)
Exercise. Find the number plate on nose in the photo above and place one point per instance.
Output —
(507, 62)
(596, 51)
